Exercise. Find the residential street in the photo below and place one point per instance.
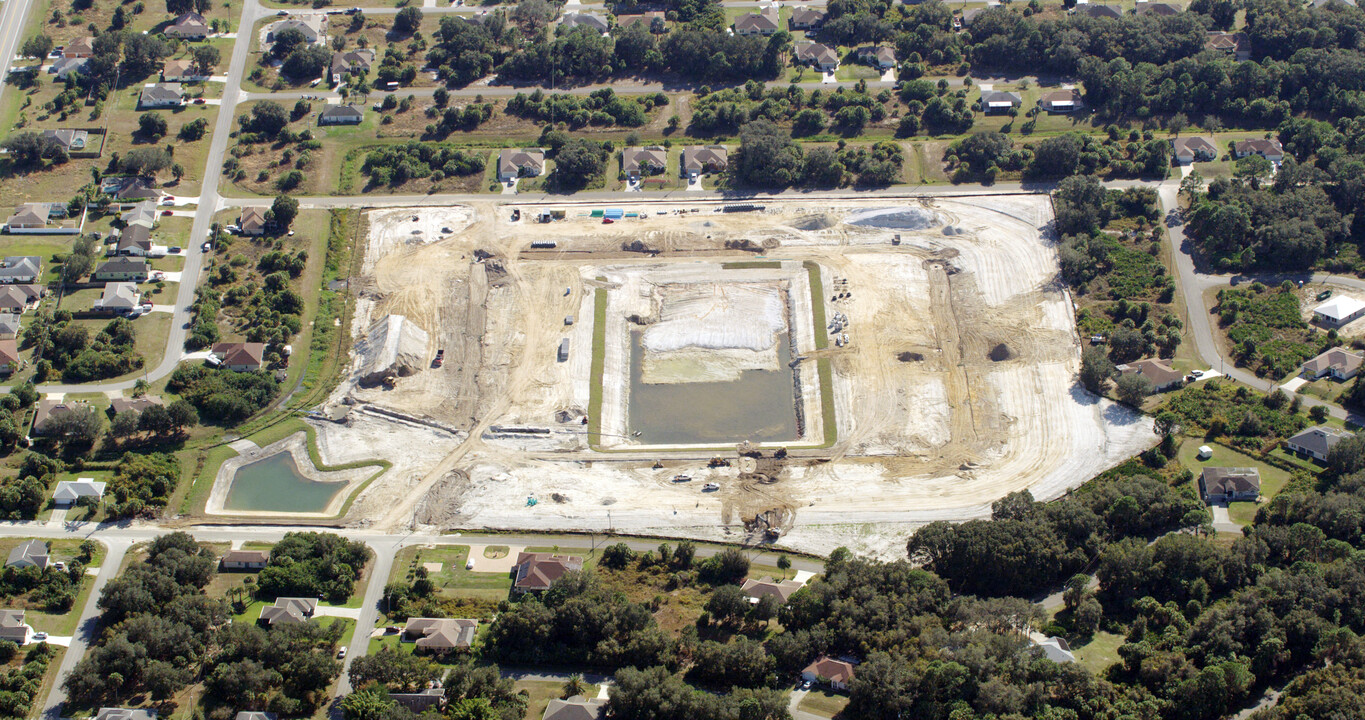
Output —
(85, 629)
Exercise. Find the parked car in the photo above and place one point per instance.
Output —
(166, 213)
(341, 653)
(208, 246)
(175, 249)
(168, 200)
(39, 636)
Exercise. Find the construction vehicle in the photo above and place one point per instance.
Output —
(682, 478)
(440, 358)
(710, 487)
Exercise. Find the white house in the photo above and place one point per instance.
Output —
(1056, 649)
(69, 492)
(1339, 311)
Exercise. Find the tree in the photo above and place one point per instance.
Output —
(1096, 369)
(727, 604)
(124, 425)
(307, 62)
(767, 157)
(152, 124)
(784, 564)
(1253, 168)
(28, 150)
(1132, 389)
(193, 130)
(283, 211)
(407, 21)
(1167, 423)
(38, 47)
(1177, 123)
(367, 704)
(577, 162)
(1086, 619)
(617, 556)
(267, 118)
(822, 168)
(574, 686)
(146, 162)
(285, 41)
(206, 58)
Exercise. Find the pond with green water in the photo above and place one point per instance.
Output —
(274, 484)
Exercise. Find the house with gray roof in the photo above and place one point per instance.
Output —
(421, 701)
(31, 553)
(518, 163)
(62, 67)
(764, 22)
(118, 297)
(1316, 442)
(135, 240)
(69, 492)
(589, 20)
(144, 213)
(249, 715)
(575, 708)
(1102, 12)
(351, 62)
(999, 101)
(1158, 9)
(188, 26)
(287, 611)
(341, 115)
(134, 269)
(313, 27)
(9, 326)
(12, 627)
(70, 140)
(1229, 484)
(161, 95)
(24, 269)
(125, 714)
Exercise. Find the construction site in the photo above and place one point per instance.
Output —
(767, 373)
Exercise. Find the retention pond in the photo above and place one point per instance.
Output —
(759, 406)
(274, 484)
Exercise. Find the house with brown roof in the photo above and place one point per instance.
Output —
(252, 220)
(1337, 363)
(181, 70)
(828, 671)
(440, 635)
(882, 58)
(1268, 148)
(288, 611)
(1162, 376)
(9, 356)
(704, 160)
(520, 163)
(12, 627)
(81, 47)
(643, 161)
(763, 22)
(817, 55)
(536, 572)
(1236, 45)
(240, 356)
(27, 218)
(783, 591)
(49, 410)
(1229, 484)
(575, 708)
(133, 405)
(807, 18)
(16, 299)
(1194, 149)
(188, 26)
(245, 560)
(1061, 101)
(351, 62)
(134, 241)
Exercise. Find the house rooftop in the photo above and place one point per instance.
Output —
(1319, 439)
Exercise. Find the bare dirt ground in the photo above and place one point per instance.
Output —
(957, 384)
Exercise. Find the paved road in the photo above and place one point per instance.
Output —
(12, 19)
(86, 627)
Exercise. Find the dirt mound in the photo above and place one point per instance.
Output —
(908, 356)
(901, 218)
(823, 221)
(1001, 353)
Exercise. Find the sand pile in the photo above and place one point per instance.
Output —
(715, 316)
(900, 218)
(392, 347)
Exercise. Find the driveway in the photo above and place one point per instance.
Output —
(344, 612)
(501, 565)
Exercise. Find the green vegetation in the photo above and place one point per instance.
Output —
(66, 347)
(142, 483)
(223, 395)
(1265, 329)
(308, 564)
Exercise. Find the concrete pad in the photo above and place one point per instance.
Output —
(244, 446)
(92, 571)
(802, 576)
(509, 189)
(602, 691)
(58, 517)
(1294, 385)
(493, 565)
(889, 75)
(59, 640)
(163, 308)
(327, 611)
(432, 567)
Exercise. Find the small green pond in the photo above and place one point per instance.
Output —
(274, 484)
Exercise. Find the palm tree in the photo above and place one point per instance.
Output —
(574, 686)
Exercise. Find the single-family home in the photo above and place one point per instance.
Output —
(16, 299)
(351, 62)
(252, 220)
(120, 269)
(9, 326)
(1316, 442)
(643, 161)
(31, 553)
(422, 700)
(134, 240)
(12, 627)
(1061, 101)
(313, 27)
(1337, 363)
(49, 410)
(969, 16)
(1337, 3)
(70, 140)
(245, 560)
(118, 297)
(1162, 376)
(24, 269)
(592, 21)
(440, 635)
(161, 95)
(826, 670)
(69, 492)
(1056, 649)
(1229, 484)
(882, 57)
(1236, 45)
(144, 213)
(81, 47)
(536, 572)
(63, 67)
(704, 160)
(1268, 148)
(526, 162)
(999, 101)
(287, 611)
(1194, 149)
(755, 589)
(807, 18)
(240, 356)
(1103, 11)
(133, 405)
(9, 356)
(125, 714)
(763, 22)
(188, 26)
(181, 70)
(1339, 311)
(129, 191)
(817, 55)
(1157, 9)
(28, 217)
(575, 708)
(341, 115)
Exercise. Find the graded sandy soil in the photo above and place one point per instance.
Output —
(957, 383)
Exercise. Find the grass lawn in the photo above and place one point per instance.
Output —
(57, 623)
(1098, 654)
(825, 703)
(453, 580)
(541, 692)
(1272, 478)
